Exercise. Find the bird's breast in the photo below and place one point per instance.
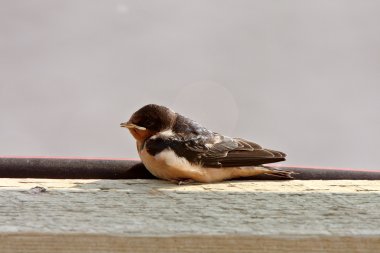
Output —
(167, 165)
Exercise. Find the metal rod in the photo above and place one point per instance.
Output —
(72, 168)
(97, 168)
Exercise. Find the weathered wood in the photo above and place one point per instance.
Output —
(157, 216)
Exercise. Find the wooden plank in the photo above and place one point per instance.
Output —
(157, 216)
(79, 243)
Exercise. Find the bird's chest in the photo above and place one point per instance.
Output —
(166, 165)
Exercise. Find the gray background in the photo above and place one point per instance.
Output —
(298, 76)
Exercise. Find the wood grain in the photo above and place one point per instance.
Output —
(157, 216)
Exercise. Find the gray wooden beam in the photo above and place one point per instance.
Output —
(157, 216)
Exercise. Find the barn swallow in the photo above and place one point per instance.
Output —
(176, 148)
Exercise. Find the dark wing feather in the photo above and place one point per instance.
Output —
(202, 146)
(214, 150)
(235, 152)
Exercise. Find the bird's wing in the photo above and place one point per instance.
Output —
(235, 152)
(215, 150)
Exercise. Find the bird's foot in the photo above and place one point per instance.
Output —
(182, 181)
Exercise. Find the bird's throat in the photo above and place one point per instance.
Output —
(141, 135)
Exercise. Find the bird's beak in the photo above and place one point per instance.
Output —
(131, 126)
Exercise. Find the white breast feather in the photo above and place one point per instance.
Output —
(176, 162)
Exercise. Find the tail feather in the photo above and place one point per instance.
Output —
(286, 174)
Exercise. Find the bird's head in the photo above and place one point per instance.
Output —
(149, 120)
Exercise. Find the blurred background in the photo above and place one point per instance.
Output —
(298, 76)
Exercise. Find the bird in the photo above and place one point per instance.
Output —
(175, 148)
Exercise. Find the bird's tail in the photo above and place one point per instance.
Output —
(285, 174)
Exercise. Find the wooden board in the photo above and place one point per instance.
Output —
(157, 216)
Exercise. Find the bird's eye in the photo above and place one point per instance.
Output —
(148, 123)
